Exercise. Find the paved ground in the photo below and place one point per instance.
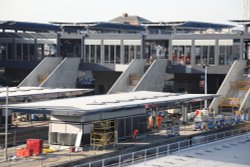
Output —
(231, 152)
(59, 157)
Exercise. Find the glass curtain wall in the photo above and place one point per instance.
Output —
(3, 51)
(92, 54)
(227, 54)
(112, 54)
(131, 52)
(181, 54)
(204, 54)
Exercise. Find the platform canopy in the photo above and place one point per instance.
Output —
(80, 106)
(31, 94)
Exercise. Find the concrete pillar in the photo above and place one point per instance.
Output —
(170, 47)
(122, 52)
(82, 48)
(58, 48)
(216, 52)
(90, 53)
(102, 52)
(35, 47)
(193, 53)
(142, 56)
(95, 54)
(109, 53)
(184, 113)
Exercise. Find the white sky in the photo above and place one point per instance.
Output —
(104, 10)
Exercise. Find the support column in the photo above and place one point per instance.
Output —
(184, 113)
(82, 48)
(35, 51)
(95, 53)
(193, 53)
(58, 48)
(142, 56)
(241, 48)
(170, 47)
(216, 53)
(102, 51)
(122, 52)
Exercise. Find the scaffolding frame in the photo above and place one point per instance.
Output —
(103, 133)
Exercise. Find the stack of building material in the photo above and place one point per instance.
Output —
(35, 145)
(24, 152)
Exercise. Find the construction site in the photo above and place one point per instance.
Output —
(124, 92)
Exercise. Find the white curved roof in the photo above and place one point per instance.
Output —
(101, 103)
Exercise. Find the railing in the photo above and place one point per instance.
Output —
(125, 159)
(165, 150)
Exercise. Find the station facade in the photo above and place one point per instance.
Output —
(105, 48)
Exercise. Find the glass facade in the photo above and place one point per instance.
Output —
(227, 54)
(3, 51)
(181, 54)
(204, 55)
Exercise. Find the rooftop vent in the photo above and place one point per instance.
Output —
(125, 14)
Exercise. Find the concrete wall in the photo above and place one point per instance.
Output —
(41, 72)
(65, 75)
(121, 85)
(153, 79)
(235, 73)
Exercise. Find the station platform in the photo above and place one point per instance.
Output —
(67, 158)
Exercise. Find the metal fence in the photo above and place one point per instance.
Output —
(126, 159)
(164, 150)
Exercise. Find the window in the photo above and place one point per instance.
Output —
(197, 55)
(87, 53)
(112, 53)
(175, 53)
(25, 52)
(226, 56)
(106, 54)
(118, 54)
(211, 55)
(19, 51)
(126, 50)
(138, 52)
(131, 53)
(31, 51)
(98, 53)
(188, 54)
(92, 54)
(10, 51)
(3, 51)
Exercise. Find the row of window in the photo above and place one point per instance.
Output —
(206, 54)
(26, 52)
(113, 53)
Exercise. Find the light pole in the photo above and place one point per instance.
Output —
(6, 125)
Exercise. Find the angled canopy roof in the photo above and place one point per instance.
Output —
(101, 103)
(116, 26)
(23, 94)
(28, 26)
(188, 25)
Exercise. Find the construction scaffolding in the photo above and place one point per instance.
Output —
(103, 133)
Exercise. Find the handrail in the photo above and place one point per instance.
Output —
(164, 150)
